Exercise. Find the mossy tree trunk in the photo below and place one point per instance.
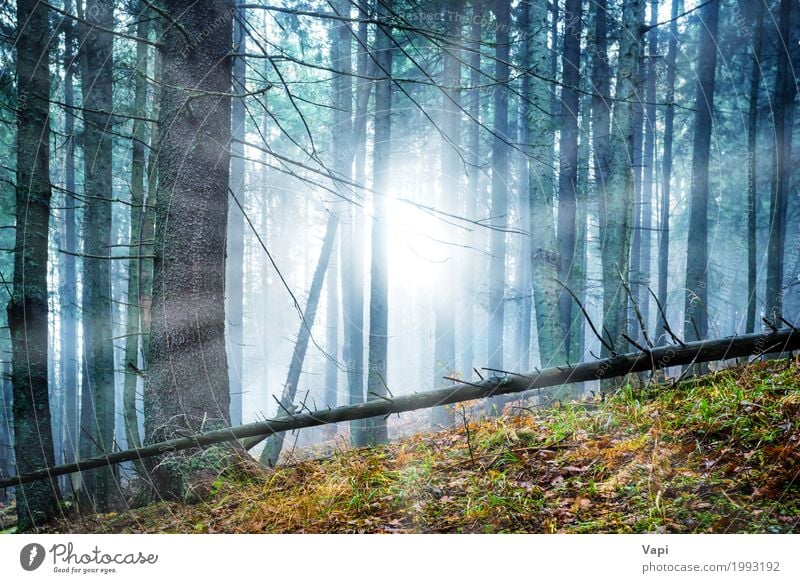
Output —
(187, 379)
(27, 308)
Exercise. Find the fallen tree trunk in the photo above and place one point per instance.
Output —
(657, 358)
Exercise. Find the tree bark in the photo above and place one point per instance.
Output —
(499, 203)
(666, 177)
(616, 200)
(696, 307)
(544, 254)
(648, 171)
(98, 392)
(568, 164)
(785, 91)
(752, 190)
(187, 384)
(353, 237)
(27, 308)
(473, 193)
(235, 261)
(376, 430)
(69, 283)
(444, 359)
(137, 210)
(701, 351)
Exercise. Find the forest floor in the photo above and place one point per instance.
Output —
(719, 453)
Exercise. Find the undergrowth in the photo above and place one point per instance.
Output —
(720, 453)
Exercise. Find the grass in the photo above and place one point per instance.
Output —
(716, 454)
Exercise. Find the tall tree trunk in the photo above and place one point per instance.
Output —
(445, 299)
(98, 394)
(568, 161)
(353, 237)
(616, 200)
(132, 328)
(69, 284)
(648, 169)
(342, 150)
(376, 430)
(473, 193)
(27, 308)
(752, 191)
(785, 90)
(544, 256)
(187, 383)
(666, 174)
(235, 262)
(332, 334)
(497, 262)
(272, 451)
(696, 307)
(146, 263)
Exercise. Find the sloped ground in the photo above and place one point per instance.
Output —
(716, 454)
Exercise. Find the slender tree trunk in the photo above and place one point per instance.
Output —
(499, 210)
(666, 177)
(648, 170)
(69, 284)
(235, 262)
(752, 191)
(376, 430)
(146, 263)
(445, 299)
(785, 90)
(353, 237)
(616, 201)
(27, 308)
(568, 161)
(473, 184)
(98, 393)
(544, 256)
(187, 383)
(601, 98)
(696, 307)
(272, 451)
(132, 328)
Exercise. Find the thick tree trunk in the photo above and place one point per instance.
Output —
(272, 451)
(696, 307)
(702, 351)
(752, 191)
(616, 200)
(666, 177)
(132, 328)
(785, 90)
(568, 164)
(499, 204)
(376, 430)
(27, 308)
(235, 261)
(98, 392)
(187, 383)
(544, 255)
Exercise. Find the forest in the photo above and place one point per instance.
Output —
(399, 266)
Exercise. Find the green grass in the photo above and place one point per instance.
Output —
(716, 454)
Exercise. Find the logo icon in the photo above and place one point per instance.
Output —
(31, 556)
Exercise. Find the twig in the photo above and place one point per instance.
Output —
(608, 346)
